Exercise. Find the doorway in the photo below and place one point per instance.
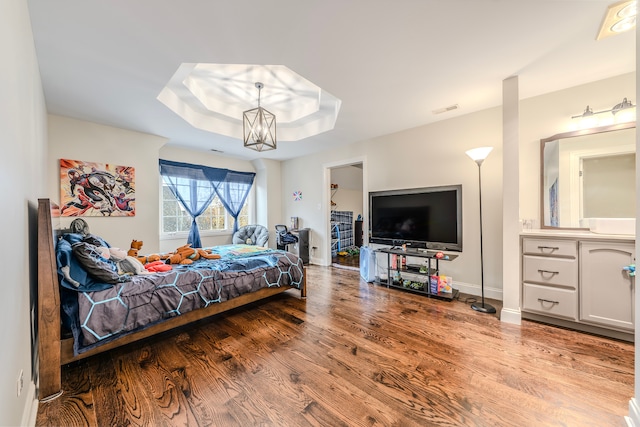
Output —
(346, 214)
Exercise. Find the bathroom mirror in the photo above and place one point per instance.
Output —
(588, 177)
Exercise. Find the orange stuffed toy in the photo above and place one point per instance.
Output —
(183, 255)
(187, 255)
(136, 245)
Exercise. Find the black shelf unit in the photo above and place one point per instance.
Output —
(422, 277)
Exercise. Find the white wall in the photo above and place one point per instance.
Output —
(434, 155)
(268, 196)
(431, 155)
(81, 140)
(22, 166)
(348, 196)
(547, 115)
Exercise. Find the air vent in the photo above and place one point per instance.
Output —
(446, 109)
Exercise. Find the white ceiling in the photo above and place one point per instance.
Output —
(391, 62)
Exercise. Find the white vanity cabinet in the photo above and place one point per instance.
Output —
(578, 281)
(606, 290)
(550, 277)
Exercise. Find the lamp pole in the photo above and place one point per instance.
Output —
(478, 155)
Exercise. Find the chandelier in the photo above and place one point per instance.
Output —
(259, 127)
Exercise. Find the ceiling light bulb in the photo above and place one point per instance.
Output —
(629, 10)
(624, 25)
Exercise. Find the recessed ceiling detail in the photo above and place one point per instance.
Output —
(620, 17)
(212, 97)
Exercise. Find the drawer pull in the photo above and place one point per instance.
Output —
(548, 301)
(553, 248)
(548, 272)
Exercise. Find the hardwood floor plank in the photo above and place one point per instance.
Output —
(120, 398)
(75, 407)
(158, 379)
(354, 354)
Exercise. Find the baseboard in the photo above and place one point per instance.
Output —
(30, 407)
(509, 315)
(633, 419)
(472, 289)
(318, 261)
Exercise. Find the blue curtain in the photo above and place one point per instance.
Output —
(233, 192)
(195, 186)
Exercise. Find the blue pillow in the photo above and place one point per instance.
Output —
(71, 274)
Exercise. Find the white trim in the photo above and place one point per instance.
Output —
(182, 235)
(476, 290)
(633, 419)
(30, 410)
(512, 316)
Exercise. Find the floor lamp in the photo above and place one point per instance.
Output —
(478, 155)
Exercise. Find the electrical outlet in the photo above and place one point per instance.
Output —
(20, 382)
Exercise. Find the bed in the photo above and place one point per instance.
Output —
(102, 317)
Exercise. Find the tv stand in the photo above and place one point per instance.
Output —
(419, 282)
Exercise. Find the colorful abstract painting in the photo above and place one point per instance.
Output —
(96, 189)
(297, 196)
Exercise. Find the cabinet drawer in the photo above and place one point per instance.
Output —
(550, 247)
(550, 271)
(550, 301)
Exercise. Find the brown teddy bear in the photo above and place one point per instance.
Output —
(187, 255)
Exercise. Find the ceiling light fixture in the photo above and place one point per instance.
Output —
(622, 112)
(259, 127)
(620, 17)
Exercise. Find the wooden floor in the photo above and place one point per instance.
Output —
(352, 354)
(349, 261)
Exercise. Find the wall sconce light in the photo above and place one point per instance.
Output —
(622, 112)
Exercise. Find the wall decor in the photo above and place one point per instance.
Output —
(297, 196)
(96, 189)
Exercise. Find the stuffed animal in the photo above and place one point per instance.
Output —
(136, 245)
(157, 266)
(187, 255)
(126, 264)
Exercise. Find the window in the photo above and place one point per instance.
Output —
(195, 187)
(175, 219)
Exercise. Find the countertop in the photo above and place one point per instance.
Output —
(576, 234)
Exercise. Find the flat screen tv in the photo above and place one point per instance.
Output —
(428, 218)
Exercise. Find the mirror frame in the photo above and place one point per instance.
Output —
(565, 135)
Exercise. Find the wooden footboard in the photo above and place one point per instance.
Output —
(48, 305)
(54, 352)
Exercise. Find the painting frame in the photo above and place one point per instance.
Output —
(96, 189)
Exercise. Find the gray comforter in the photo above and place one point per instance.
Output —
(148, 299)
